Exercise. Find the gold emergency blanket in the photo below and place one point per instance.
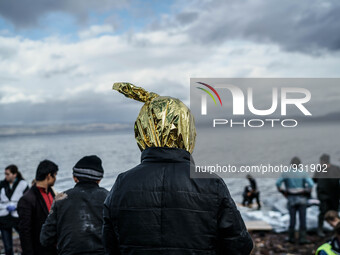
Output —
(162, 121)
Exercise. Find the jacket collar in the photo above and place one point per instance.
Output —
(86, 184)
(36, 189)
(163, 154)
(40, 197)
(9, 191)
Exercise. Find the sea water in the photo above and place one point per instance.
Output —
(119, 152)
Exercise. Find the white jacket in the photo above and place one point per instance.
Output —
(5, 201)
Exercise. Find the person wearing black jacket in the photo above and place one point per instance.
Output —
(11, 190)
(328, 189)
(33, 209)
(76, 218)
(156, 208)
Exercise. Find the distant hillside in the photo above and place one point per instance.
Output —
(62, 128)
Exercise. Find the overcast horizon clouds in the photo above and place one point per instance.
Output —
(59, 59)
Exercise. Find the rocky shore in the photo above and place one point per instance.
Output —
(266, 243)
(16, 245)
(272, 243)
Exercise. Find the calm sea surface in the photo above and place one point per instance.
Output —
(119, 152)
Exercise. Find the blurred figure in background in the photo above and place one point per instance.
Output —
(12, 189)
(34, 207)
(332, 218)
(328, 189)
(156, 208)
(332, 247)
(298, 187)
(76, 218)
(251, 192)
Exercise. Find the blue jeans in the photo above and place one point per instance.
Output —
(297, 204)
(7, 239)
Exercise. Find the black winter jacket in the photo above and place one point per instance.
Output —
(156, 208)
(76, 219)
(328, 188)
(33, 212)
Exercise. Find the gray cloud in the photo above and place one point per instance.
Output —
(187, 17)
(6, 52)
(85, 107)
(304, 26)
(25, 13)
(59, 71)
(80, 74)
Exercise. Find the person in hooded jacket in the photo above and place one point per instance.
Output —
(76, 217)
(155, 207)
(12, 188)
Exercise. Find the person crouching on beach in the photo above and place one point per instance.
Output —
(156, 208)
(332, 247)
(298, 187)
(332, 218)
(12, 189)
(250, 192)
(33, 209)
(76, 217)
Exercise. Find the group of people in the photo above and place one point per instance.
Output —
(154, 208)
(297, 186)
(71, 220)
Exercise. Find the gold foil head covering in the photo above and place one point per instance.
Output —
(162, 121)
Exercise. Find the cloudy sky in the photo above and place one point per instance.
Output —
(59, 59)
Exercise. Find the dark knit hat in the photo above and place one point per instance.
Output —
(325, 158)
(89, 167)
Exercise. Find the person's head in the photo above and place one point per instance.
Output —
(162, 121)
(249, 177)
(332, 217)
(295, 162)
(46, 172)
(325, 159)
(89, 169)
(11, 173)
